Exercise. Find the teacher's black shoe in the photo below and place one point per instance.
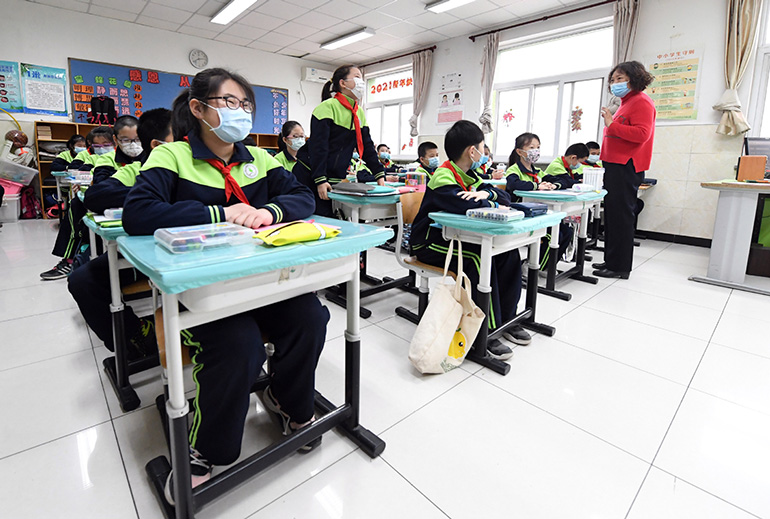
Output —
(607, 273)
(601, 265)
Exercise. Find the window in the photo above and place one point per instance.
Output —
(759, 104)
(553, 88)
(388, 109)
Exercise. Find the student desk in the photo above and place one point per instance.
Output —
(215, 283)
(379, 211)
(59, 176)
(496, 238)
(118, 367)
(572, 205)
(733, 227)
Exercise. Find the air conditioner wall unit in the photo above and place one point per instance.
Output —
(316, 75)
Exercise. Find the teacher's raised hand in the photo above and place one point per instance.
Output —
(607, 115)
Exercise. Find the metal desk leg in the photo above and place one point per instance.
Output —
(117, 366)
(423, 295)
(479, 353)
(92, 240)
(553, 260)
(581, 251)
(59, 199)
(532, 289)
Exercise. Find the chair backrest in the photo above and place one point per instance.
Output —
(410, 206)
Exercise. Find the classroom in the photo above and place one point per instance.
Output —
(230, 244)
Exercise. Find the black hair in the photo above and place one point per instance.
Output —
(522, 140)
(124, 121)
(579, 149)
(425, 147)
(154, 124)
(101, 131)
(457, 94)
(205, 84)
(333, 84)
(461, 135)
(381, 146)
(71, 142)
(286, 130)
(638, 76)
(593, 145)
(249, 141)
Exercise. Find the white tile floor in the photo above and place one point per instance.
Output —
(651, 401)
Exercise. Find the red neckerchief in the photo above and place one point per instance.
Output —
(534, 176)
(354, 110)
(450, 167)
(568, 168)
(590, 165)
(231, 186)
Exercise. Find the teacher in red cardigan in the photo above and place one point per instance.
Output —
(626, 155)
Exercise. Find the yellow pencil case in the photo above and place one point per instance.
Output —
(296, 232)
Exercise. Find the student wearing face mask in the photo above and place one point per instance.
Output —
(383, 152)
(292, 139)
(75, 145)
(338, 126)
(594, 156)
(427, 156)
(564, 171)
(99, 141)
(522, 174)
(128, 149)
(626, 155)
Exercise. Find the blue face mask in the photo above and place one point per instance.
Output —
(483, 160)
(79, 149)
(356, 156)
(593, 159)
(433, 162)
(384, 155)
(574, 166)
(620, 89)
(476, 164)
(234, 125)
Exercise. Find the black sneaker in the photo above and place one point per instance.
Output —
(200, 472)
(272, 405)
(61, 270)
(499, 351)
(144, 343)
(518, 335)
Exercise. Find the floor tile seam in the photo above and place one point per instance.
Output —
(647, 324)
(37, 314)
(608, 285)
(123, 460)
(620, 362)
(413, 486)
(564, 420)
(638, 491)
(637, 291)
(28, 364)
(742, 351)
(705, 491)
(33, 447)
(723, 399)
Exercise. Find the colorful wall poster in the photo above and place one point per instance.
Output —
(44, 89)
(450, 107)
(10, 87)
(675, 88)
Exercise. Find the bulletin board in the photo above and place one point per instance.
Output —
(136, 89)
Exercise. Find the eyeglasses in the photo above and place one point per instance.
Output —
(233, 103)
(129, 141)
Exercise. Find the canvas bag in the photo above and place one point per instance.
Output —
(449, 325)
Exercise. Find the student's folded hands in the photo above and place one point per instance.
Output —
(475, 195)
(248, 216)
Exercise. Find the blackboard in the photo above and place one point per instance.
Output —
(136, 90)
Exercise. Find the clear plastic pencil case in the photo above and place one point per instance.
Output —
(495, 214)
(198, 237)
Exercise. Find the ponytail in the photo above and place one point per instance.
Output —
(522, 140)
(333, 84)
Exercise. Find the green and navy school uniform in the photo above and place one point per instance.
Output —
(363, 174)
(428, 244)
(84, 160)
(178, 186)
(425, 170)
(389, 166)
(333, 140)
(286, 160)
(519, 178)
(62, 161)
(106, 165)
(111, 192)
(561, 174)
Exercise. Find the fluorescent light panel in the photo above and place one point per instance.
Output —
(445, 5)
(353, 37)
(228, 13)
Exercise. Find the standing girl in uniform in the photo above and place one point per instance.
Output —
(211, 177)
(338, 126)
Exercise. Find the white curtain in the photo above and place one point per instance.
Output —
(742, 21)
(421, 69)
(624, 22)
(488, 64)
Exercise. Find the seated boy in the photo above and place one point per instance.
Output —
(455, 188)
(75, 145)
(127, 150)
(594, 152)
(563, 171)
(89, 284)
(427, 156)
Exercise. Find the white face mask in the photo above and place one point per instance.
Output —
(359, 89)
(296, 143)
(132, 149)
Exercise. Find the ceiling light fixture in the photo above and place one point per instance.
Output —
(228, 13)
(445, 5)
(347, 39)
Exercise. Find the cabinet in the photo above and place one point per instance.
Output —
(267, 141)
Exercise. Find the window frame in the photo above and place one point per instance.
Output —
(395, 150)
(759, 89)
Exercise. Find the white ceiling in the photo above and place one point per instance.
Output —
(298, 27)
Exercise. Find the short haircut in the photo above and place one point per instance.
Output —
(154, 124)
(579, 149)
(638, 76)
(461, 135)
(425, 147)
(124, 121)
(101, 131)
(379, 146)
(593, 145)
(74, 140)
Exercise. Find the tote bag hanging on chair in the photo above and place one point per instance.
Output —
(449, 325)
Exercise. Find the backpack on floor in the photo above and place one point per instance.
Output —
(102, 111)
(30, 205)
